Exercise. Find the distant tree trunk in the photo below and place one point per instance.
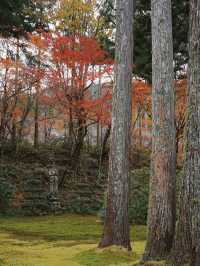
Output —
(116, 227)
(104, 143)
(36, 111)
(14, 128)
(71, 130)
(187, 240)
(24, 118)
(3, 117)
(14, 135)
(45, 127)
(81, 134)
(103, 149)
(161, 215)
(2, 129)
(98, 134)
(98, 124)
(140, 130)
(36, 122)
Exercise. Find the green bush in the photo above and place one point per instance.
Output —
(84, 205)
(139, 194)
(140, 158)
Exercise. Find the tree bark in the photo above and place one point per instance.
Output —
(187, 240)
(161, 215)
(116, 227)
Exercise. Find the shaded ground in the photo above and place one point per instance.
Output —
(67, 240)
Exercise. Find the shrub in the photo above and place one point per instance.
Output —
(139, 195)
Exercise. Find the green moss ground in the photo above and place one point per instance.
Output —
(67, 240)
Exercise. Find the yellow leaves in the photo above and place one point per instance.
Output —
(78, 6)
(75, 14)
(79, 17)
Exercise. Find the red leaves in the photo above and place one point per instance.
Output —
(77, 50)
(76, 61)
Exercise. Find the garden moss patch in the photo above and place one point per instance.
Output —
(67, 240)
(110, 256)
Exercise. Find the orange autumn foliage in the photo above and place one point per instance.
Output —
(76, 62)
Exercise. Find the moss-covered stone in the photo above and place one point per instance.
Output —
(35, 195)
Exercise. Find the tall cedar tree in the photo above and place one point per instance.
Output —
(161, 215)
(187, 241)
(116, 227)
(142, 38)
(142, 52)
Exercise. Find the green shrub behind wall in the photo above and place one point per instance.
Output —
(139, 194)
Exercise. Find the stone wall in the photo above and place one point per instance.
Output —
(29, 191)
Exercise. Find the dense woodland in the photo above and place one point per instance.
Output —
(100, 127)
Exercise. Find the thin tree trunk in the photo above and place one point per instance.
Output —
(140, 118)
(104, 143)
(116, 227)
(45, 127)
(23, 120)
(187, 241)
(71, 130)
(14, 135)
(36, 122)
(36, 113)
(98, 124)
(81, 134)
(103, 149)
(161, 215)
(14, 122)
